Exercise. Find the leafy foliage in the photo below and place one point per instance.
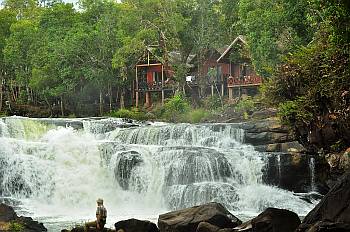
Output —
(175, 107)
(312, 86)
(133, 113)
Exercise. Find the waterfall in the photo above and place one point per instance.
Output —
(279, 167)
(58, 168)
(312, 174)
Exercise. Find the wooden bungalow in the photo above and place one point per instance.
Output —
(152, 76)
(234, 66)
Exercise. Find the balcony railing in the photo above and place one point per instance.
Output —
(153, 86)
(243, 81)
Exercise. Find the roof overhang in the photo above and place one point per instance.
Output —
(239, 38)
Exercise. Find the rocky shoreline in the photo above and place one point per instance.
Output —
(9, 221)
(332, 214)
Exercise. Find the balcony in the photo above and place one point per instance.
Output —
(153, 86)
(243, 81)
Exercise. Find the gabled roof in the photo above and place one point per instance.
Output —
(239, 38)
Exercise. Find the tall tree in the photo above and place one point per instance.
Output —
(273, 28)
(18, 53)
(7, 17)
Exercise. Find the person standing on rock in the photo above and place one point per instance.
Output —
(101, 216)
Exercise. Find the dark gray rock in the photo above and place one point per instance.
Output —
(266, 137)
(272, 220)
(293, 171)
(187, 220)
(333, 208)
(30, 225)
(134, 225)
(207, 227)
(326, 227)
(264, 113)
(7, 213)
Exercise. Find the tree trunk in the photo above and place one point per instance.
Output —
(13, 92)
(122, 103)
(49, 105)
(101, 103)
(28, 94)
(62, 108)
(116, 98)
(220, 97)
(1, 93)
(110, 97)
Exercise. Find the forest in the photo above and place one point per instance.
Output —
(80, 59)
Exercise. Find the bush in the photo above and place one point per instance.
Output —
(196, 115)
(16, 227)
(293, 111)
(245, 105)
(3, 114)
(212, 102)
(133, 113)
(175, 108)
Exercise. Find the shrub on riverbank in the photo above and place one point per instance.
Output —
(179, 110)
(133, 113)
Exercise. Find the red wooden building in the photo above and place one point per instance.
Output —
(235, 69)
(153, 77)
(227, 70)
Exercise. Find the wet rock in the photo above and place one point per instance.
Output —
(9, 220)
(30, 225)
(187, 220)
(272, 220)
(296, 172)
(267, 138)
(134, 225)
(333, 208)
(292, 147)
(7, 213)
(207, 227)
(265, 125)
(325, 227)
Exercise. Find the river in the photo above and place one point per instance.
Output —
(54, 170)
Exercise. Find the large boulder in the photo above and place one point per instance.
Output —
(7, 213)
(325, 227)
(333, 208)
(134, 225)
(272, 220)
(9, 220)
(296, 172)
(187, 220)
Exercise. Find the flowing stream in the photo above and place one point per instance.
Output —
(55, 169)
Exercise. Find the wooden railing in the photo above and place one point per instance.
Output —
(243, 81)
(152, 86)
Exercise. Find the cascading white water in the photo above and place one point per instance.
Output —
(312, 174)
(279, 166)
(58, 172)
